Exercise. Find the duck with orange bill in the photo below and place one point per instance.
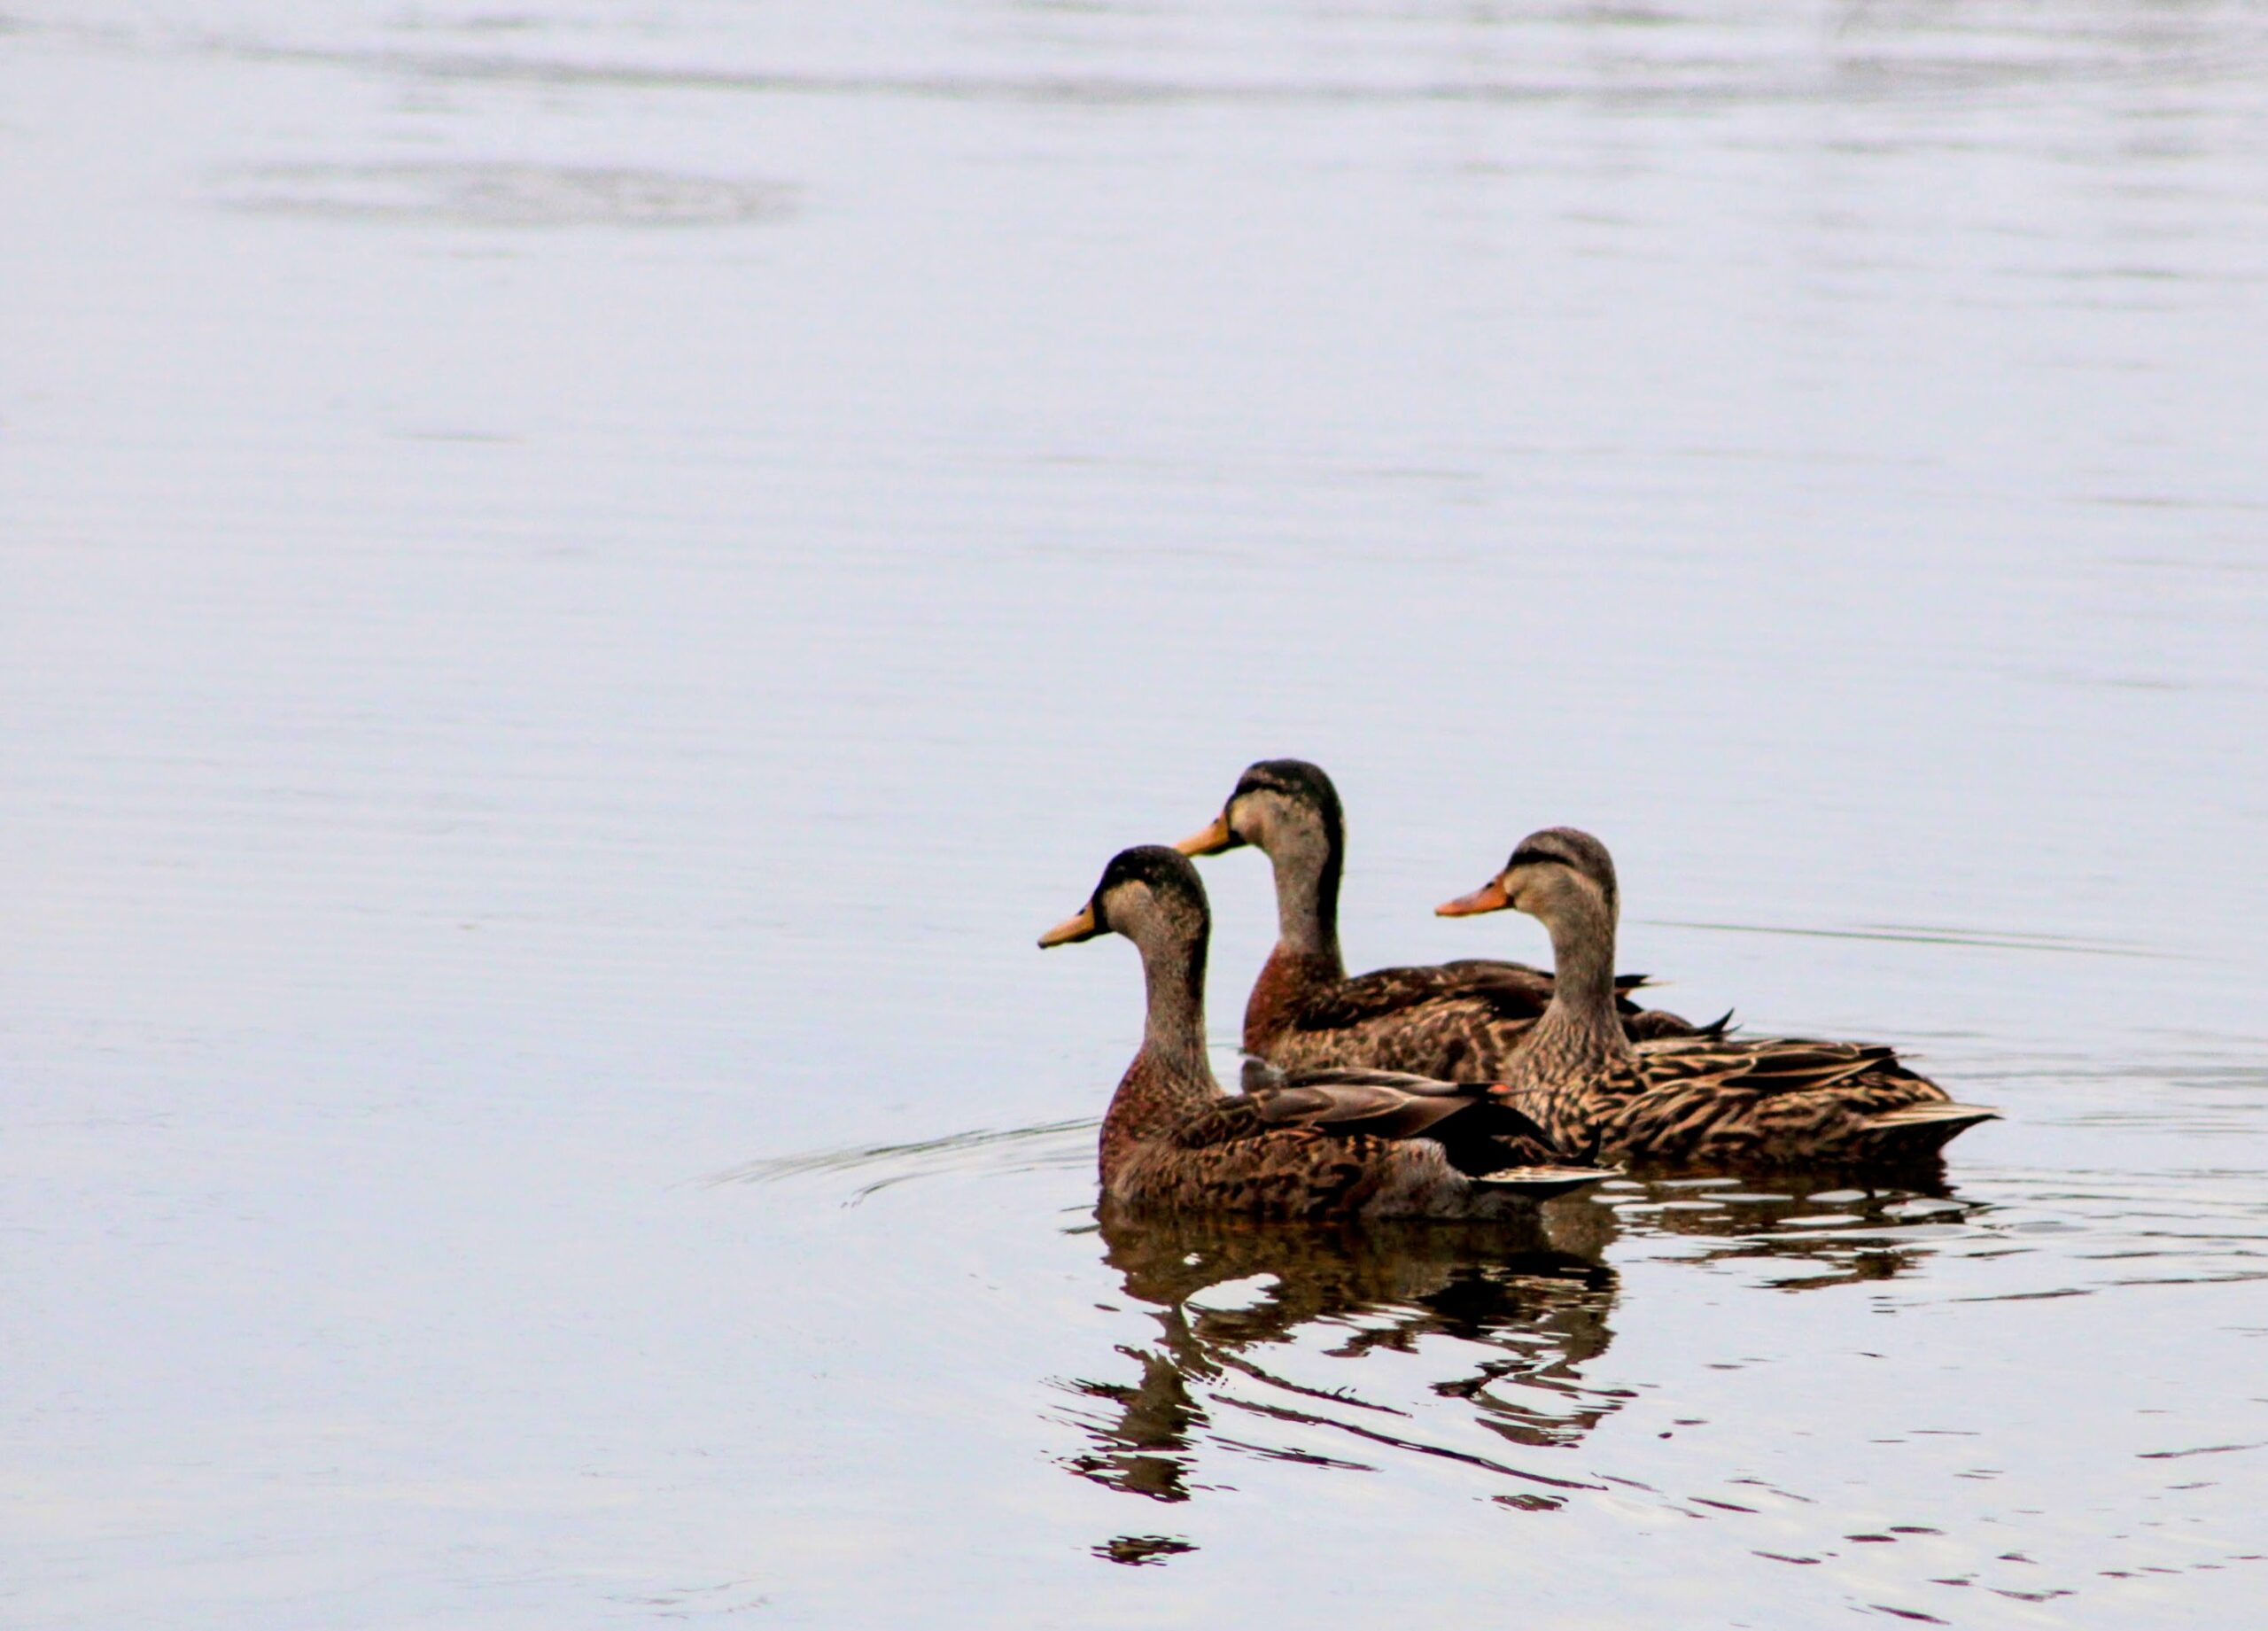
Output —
(1460, 1019)
(1691, 1102)
(1318, 1144)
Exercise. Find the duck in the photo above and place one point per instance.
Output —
(1305, 1145)
(1448, 1021)
(1689, 1103)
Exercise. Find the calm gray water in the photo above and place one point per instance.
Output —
(581, 580)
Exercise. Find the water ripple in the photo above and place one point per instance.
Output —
(503, 194)
(1047, 1146)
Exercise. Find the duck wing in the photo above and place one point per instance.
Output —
(1484, 1135)
(1490, 991)
(1765, 1065)
(1654, 1024)
(1785, 1099)
(1231, 1156)
(1506, 990)
(1391, 1104)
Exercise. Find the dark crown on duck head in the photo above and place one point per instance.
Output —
(1573, 848)
(1167, 872)
(1295, 779)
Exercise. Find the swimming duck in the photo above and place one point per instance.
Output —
(1454, 1019)
(1694, 1102)
(1310, 1144)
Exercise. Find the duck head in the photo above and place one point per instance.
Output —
(1279, 806)
(1150, 894)
(1553, 875)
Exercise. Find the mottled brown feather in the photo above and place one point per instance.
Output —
(1752, 1102)
(1691, 1102)
(1457, 1021)
(1338, 1144)
(1454, 1019)
(1487, 1134)
(1229, 1155)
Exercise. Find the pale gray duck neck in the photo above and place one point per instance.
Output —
(1580, 1030)
(1307, 865)
(1173, 1035)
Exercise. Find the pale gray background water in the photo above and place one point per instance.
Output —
(582, 579)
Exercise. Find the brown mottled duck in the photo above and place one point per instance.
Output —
(1459, 1020)
(1315, 1145)
(1694, 1102)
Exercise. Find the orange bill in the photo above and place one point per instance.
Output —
(1489, 896)
(1212, 841)
(1080, 925)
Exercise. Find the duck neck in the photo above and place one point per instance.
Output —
(1307, 864)
(1580, 1026)
(1173, 1035)
(1170, 1077)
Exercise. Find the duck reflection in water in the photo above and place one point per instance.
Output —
(1517, 1319)
(1513, 1313)
(1805, 1231)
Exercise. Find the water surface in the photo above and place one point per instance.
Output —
(581, 582)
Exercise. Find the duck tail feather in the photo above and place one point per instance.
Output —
(1921, 1129)
(1542, 1182)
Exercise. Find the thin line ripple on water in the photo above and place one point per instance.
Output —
(1048, 1146)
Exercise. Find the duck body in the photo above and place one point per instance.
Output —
(1329, 1144)
(1228, 1156)
(1455, 1020)
(1751, 1103)
(1691, 1103)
